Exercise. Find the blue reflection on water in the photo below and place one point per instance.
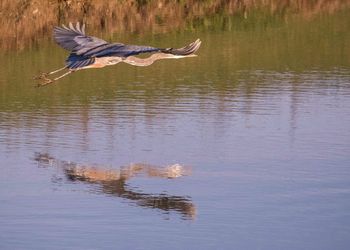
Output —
(270, 168)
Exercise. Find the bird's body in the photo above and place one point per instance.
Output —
(91, 52)
(101, 62)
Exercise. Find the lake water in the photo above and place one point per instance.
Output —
(255, 132)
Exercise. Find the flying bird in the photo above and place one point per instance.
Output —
(91, 52)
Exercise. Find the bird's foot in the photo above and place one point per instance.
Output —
(45, 81)
(41, 76)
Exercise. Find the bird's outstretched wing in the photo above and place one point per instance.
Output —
(77, 42)
(74, 39)
(120, 50)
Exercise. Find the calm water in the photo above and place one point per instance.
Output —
(246, 146)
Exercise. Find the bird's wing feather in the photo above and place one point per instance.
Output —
(74, 39)
(76, 61)
(120, 50)
(184, 51)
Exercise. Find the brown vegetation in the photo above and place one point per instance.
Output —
(23, 21)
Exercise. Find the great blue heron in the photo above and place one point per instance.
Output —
(92, 52)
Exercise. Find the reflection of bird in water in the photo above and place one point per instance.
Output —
(113, 182)
(92, 52)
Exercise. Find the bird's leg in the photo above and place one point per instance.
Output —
(44, 75)
(67, 73)
(55, 71)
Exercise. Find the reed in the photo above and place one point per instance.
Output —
(23, 22)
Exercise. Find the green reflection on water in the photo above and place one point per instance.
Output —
(232, 47)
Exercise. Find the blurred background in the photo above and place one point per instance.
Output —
(24, 22)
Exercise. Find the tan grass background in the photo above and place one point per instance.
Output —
(22, 22)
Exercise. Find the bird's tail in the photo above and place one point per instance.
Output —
(184, 51)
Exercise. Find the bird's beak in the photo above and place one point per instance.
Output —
(178, 56)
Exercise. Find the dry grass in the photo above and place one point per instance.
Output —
(22, 22)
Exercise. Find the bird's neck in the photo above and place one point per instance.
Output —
(136, 61)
